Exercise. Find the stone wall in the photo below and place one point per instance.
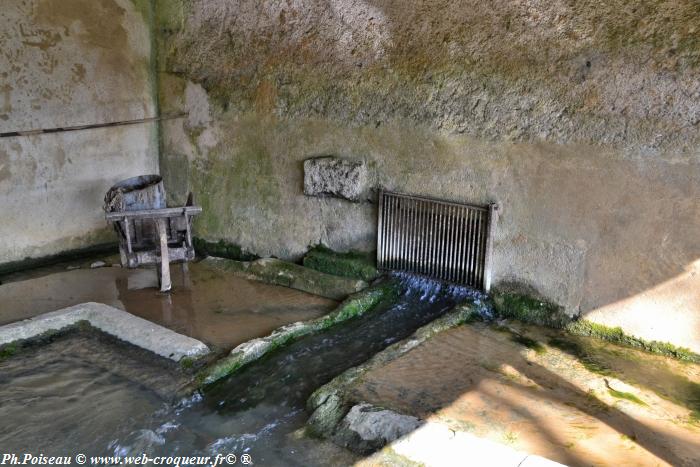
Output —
(69, 63)
(581, 119)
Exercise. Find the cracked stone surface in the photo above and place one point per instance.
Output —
(333, 176)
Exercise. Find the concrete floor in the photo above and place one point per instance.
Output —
(551, 403)
(215, 307)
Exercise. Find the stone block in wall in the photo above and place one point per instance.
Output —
(334, 176)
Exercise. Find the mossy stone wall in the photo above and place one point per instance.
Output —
(581, 119)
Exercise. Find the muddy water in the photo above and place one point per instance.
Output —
(215, 307)
(258, 410)
(75, 393)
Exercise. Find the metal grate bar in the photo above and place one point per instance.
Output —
(441, 239)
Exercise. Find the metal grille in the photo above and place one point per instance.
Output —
(434, 238)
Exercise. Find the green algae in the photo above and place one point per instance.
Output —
(521, 339)
(186, 363)
(8, 350)
(532, 310)
(355, 305)
(329, 403)
(530, 343)
(582, 354)
(584, 327)
(221, 249)
(628, 396)
(528, 309)
(665, 378)
(353, 264)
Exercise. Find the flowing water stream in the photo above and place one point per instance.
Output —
(92, 394)
(257, 410)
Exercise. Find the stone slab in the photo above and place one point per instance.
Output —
(110, 320)
(435, 444)
(333, 176)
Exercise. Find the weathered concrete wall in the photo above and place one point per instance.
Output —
(68, 63)
(581, 119)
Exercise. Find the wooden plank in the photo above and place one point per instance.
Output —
(152, 257)
(154, 213)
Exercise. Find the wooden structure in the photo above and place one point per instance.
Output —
(149, 232)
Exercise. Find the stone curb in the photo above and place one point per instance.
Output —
(120, 324)
(365, 428)
(249, 351)
(278, 272)
(328, 404)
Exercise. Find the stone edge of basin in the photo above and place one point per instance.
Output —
(365, 428)
(247, 352)
(120, 324)
(278, 272)
(329, 404)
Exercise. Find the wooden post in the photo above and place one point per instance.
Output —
(165, 283)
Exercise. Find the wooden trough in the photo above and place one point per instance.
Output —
(149, 232)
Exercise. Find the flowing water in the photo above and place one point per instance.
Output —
(257, 410)
(74, 393)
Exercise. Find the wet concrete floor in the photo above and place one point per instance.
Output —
(215, 307)
(578, 401)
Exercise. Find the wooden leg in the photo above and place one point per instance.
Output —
(165, 284)
(122, 256)
(186, 282)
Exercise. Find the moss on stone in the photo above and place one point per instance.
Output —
(170, 14)
(355, 305)
(628, 396)
(578, 351)
(360, 304)
(8, 350)
(221, 249)
(528, 309)
(584, 327)
(187, 363)
(529, 343)
(329, 403)
(532, 310)
(295, 276)
(353, 264)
